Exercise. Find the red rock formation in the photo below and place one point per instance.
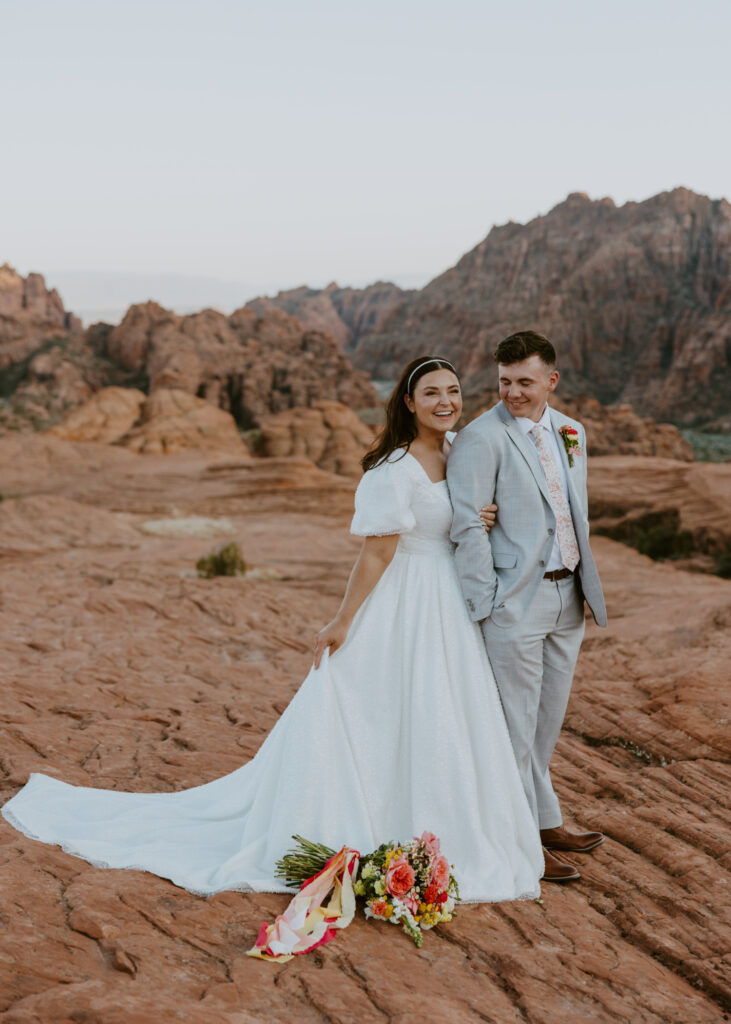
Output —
(105, 418)
(123, 670)
(345, 313)
(636, 298)
(327, 432)
(165, 422)
(30, 314)
(249, 365)
(629, 497)
(172, 421)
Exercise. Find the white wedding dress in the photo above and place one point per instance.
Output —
(399, 731)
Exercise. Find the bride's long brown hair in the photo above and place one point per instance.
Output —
(400, 428)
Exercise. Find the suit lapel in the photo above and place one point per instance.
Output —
(526, 448)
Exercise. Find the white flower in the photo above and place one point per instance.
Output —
(380, 887)
(368, 870)
(448, 905)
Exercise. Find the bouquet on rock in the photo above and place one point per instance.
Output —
(409, 884)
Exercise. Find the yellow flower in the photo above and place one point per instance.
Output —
(422, 908)
(388, 911)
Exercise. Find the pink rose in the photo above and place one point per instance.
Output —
(400, 877)
(430, 843)
(440, 873)
(412, 902)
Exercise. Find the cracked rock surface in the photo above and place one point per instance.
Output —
(122, 669)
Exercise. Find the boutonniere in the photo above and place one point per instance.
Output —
(570, 438)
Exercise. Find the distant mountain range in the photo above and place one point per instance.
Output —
(636, 298)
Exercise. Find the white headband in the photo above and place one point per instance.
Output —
(426, 363)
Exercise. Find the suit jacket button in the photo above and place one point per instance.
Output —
(542, 563)
(550, 531)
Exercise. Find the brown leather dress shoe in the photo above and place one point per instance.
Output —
(570, 842)
(556, 870)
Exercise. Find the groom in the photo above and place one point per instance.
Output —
(527, 581)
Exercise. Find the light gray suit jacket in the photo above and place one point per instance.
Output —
(491, 460)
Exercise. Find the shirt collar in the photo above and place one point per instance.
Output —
(526, 424)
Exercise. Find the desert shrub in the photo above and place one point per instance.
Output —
(665, 541)
(655, 534)
(723, 566)
(252, 440)
(224, 561)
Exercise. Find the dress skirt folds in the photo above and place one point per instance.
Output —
(399, 731)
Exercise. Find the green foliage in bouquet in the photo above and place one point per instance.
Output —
(303, 862)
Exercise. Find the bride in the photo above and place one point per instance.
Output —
(397, 728)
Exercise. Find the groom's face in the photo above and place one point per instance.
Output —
(525, 386)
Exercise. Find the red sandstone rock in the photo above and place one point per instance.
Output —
(635, 297)
(29, 315)
(122, 669)
(106, 417)
(345, 313)
(248, 365)
(172, 420)
(328, 433)
(165, 422)
(627, 493)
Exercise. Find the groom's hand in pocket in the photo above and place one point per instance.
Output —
(488, 514)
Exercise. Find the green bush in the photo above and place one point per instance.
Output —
(723, 566)
(224, 561)
(665, 541)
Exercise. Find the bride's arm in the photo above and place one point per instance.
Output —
(374, 558)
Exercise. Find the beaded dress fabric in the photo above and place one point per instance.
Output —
(399, 731)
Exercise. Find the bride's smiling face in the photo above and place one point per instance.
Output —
(436, 401)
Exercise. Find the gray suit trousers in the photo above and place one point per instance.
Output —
(533, 662)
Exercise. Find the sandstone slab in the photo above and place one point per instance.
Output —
(122, 670)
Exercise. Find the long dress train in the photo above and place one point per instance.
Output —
(399, 731)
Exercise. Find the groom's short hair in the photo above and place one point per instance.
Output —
(522, 345)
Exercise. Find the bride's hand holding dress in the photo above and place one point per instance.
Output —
(372, 561)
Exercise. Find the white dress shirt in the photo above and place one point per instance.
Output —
(526, 425)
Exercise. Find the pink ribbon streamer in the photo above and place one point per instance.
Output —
(305, 923)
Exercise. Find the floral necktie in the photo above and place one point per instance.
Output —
(567, 543)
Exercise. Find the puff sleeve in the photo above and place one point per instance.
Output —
(383, 501)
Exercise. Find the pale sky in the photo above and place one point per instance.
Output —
(262, 146)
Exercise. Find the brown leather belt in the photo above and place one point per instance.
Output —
(557, 574)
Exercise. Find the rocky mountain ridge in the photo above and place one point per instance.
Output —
(637, 299)
(348, 314)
